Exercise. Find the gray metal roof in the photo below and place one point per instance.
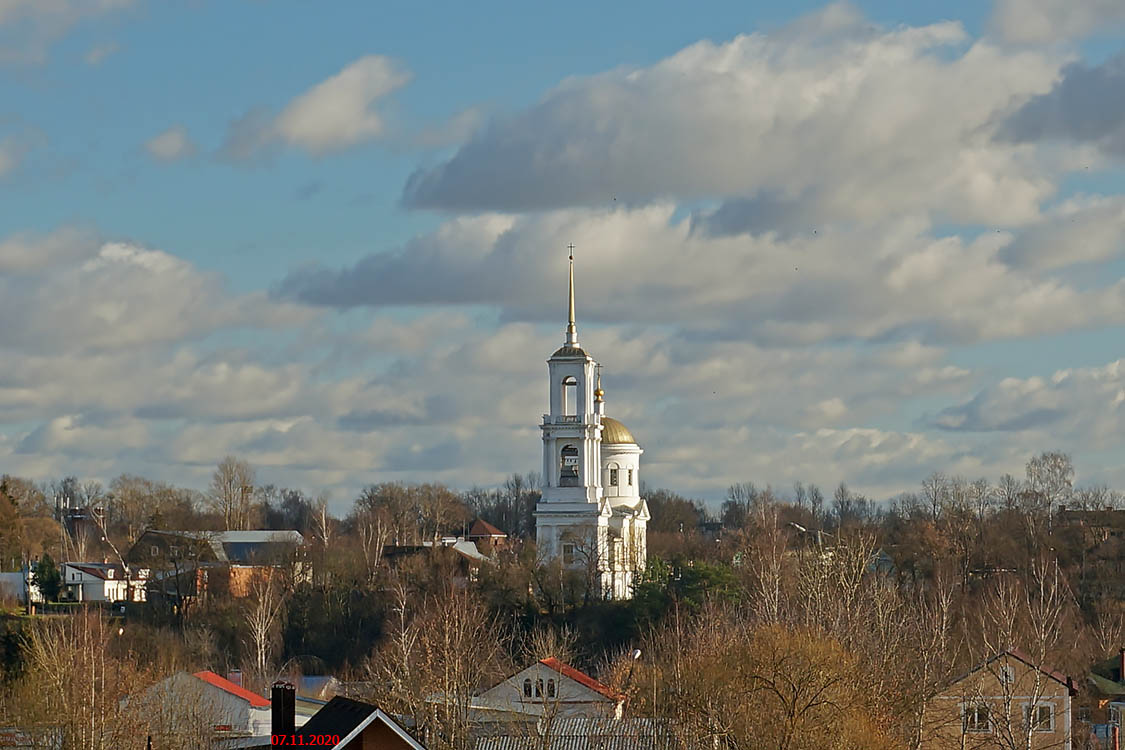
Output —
(584, 734)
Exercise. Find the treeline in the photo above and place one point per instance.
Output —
(880, 602)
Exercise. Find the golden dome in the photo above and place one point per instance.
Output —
(613, 432)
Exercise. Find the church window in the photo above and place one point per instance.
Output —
(527, 688)
(568, 468)
(569, 396)
(550, 688)
(613, 477)
(568, 554)
(630, 477)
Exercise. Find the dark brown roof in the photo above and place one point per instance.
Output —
(482, 527)
(338, 717)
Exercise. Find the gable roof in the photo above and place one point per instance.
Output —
(231, 546)
(482, 527)
(1024, 658)
(346, 718)
(99, 570)
(581, 678)
(222, 683)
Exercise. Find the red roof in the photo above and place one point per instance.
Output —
(481, 527)
(224, 684)
(582, 677)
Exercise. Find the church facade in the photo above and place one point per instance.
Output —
(591, 516)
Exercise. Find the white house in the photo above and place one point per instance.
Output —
(102, 582)
(591, 515)
(209, 702)
(549, 689)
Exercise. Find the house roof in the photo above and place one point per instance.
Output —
(222, 683)
(482, 527)
(346, 718)
(583, 734)
(235, 546)
(99, 570)
(581, 678)
(1023, 657)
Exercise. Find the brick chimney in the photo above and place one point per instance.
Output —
(283, 709)
(235, 676)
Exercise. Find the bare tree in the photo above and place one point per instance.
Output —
(232, 492)
(268, 594)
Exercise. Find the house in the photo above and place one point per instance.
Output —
(341, 723)
(208, 703)
(102, 582)
(549, 688)
(1000, 703)
(186, 564)
(1102, 704)
(486, 537)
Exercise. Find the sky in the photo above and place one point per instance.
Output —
(855, 242)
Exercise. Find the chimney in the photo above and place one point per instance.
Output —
(283, 708)
(235, 676)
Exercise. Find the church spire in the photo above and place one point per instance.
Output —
(571, 329)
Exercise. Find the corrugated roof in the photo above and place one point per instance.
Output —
(224, 684)
(581, 677)
(584, 734)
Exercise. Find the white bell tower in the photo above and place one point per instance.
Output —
(572, 518)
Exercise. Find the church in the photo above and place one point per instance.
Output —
(591, 515)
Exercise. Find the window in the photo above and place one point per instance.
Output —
(568, 466)
(1040, 717)
(975, 718)
(630, 477)
(568, 554)
(1114, 714)
(550, 688)
(527, 688)
(613, 477)
(539, 688)
(569, 396)
(1084, 714)
(1007, 675)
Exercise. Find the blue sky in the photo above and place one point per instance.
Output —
(330, 241)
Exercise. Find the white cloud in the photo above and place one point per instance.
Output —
(99, 52)
(336, 114)
(847, 120)
(171, 145)
(29, 27)
(894, 280)
(10, 155)
(1086, 229)
(1083, 406)
(1037, 21)
(71, 290)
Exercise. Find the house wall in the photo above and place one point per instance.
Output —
(571, 700)
(1006, 703)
